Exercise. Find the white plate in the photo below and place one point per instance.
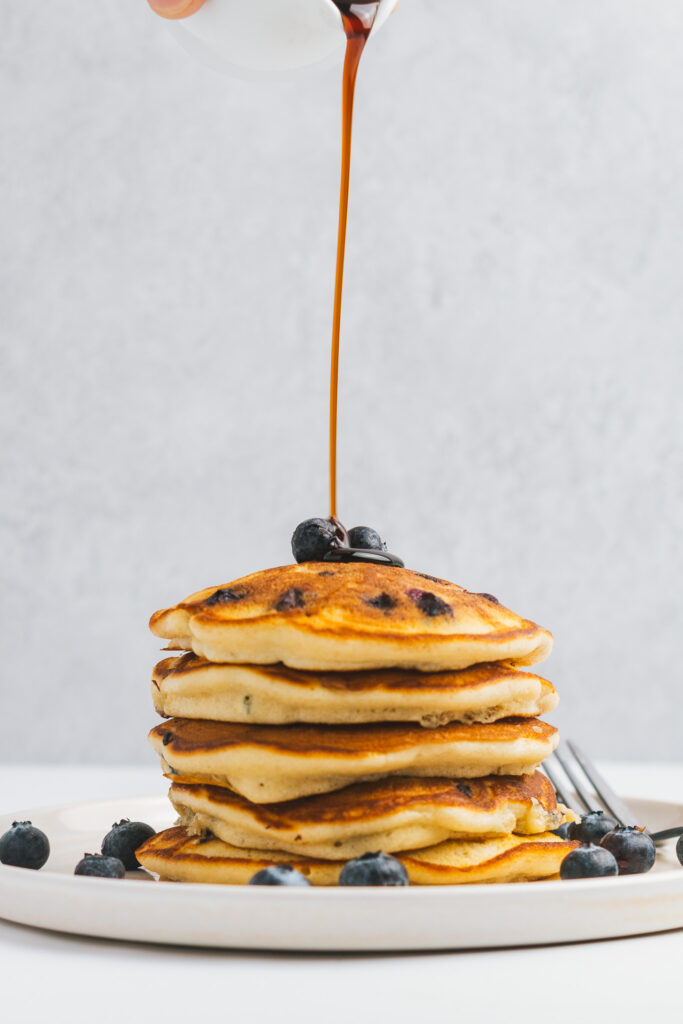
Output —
(242, 917)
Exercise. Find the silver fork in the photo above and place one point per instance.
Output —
(589, 790)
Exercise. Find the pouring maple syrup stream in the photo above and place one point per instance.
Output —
(358, 17)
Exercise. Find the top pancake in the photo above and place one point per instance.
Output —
(349, 617)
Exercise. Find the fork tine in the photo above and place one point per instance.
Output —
(614, 806)
(572, 775)
(555, 784)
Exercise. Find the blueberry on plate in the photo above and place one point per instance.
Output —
(374, 869)
(632, 848)
(588, 861)
(313, 538)
(592, 827)
(24, 846)
(279, 874)
(562, 831)
(100, 867)
(124, 839)
(366, 538)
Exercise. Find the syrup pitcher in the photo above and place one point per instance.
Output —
(269, 38)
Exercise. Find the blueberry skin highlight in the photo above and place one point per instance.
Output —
(633, 850)
(279, 874)
(588, 861)
(124, 839)
(374, 869)
(313, 538)
(592, 827)
(95, 865)
(24, 846)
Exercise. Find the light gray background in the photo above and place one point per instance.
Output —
(511, 371)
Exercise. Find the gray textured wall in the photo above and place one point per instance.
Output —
(510, 406)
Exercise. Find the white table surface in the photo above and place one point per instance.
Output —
(55, 977)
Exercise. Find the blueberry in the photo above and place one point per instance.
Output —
(313, 538)
(374, 869)
(632, 848)
(383, 602)
(226, 595)
(292, 598)
(562, 831)
(428, 603)
(679, 849)
(592, 827)
(588, 861)
(24, 846)
(434, 579)
(367, 538)
(99, 866)
(124, 839)
(279, 874)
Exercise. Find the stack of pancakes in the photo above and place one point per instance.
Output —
(327, 710)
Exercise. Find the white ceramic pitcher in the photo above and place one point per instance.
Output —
(267, 38)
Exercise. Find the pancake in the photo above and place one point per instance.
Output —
(191, 687)
(506, 859)
(177, 856)
(349, 617)
(272, 763)
(393, 814)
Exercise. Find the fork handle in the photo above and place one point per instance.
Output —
(667, 833)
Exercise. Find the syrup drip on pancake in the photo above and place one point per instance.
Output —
(363, 555)
(358, 19)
